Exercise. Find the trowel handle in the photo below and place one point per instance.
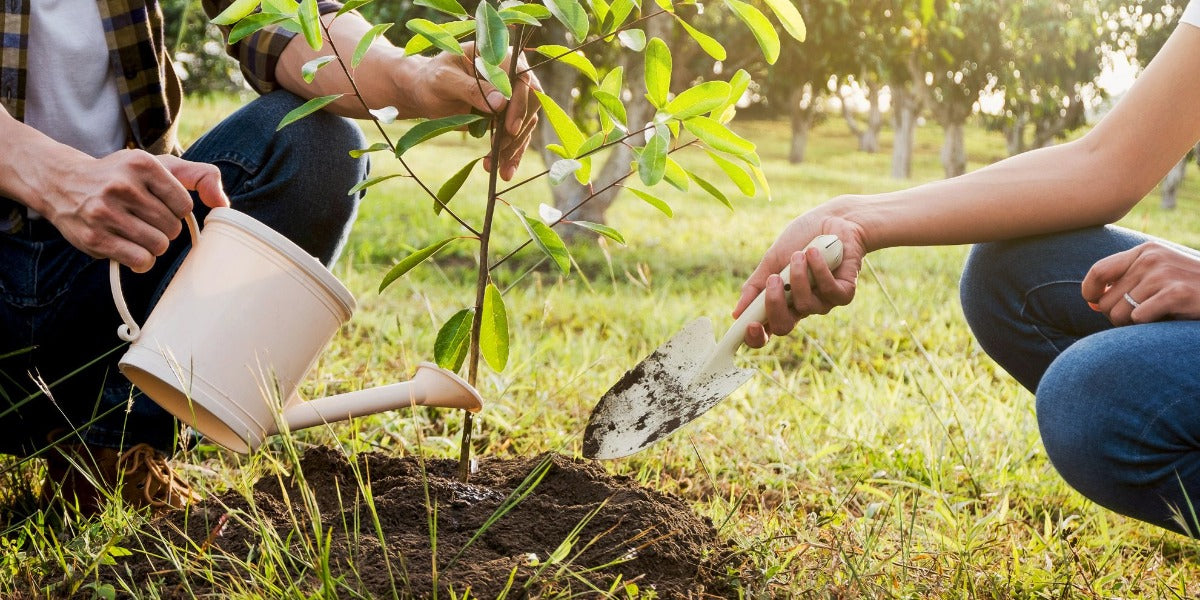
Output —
(831, 250)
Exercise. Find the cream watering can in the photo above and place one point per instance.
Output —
(239, 327)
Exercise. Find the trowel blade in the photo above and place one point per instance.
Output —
(660, 395)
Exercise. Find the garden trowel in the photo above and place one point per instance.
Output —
(679, 381)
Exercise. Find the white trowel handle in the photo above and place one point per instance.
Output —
(831, 250)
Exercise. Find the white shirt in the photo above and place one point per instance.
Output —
(71, 91)
(1191, 14)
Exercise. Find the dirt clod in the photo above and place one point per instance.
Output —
(617, 530)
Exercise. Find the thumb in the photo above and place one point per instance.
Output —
(203, 178)
(458, 86)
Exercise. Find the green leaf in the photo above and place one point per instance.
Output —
(362, 185)
(738, 85)
(764, 32)
(568, 132)
(793, 23)
(652, 160)
(619, 12)
(711, 189)
(450, 189)
(718, 136)
(547, 240)
(437, 35)
(613, 81)
(676, 176)
(592, 144)
(574, 59)
(658, 72)
(453, 340)
(450, 7)
(562, 169)
(364, 44)
(601, 10)
(762, 180)
(699, 99)
(572, 15)
(613, 106)
(495, 76)
(654, 201)
(512, 17)
(376, 147)
(412, 260)
(736, 174)
(707, 43)
(534, 10)
(352, 5)
(601, 229)
(491, 35)
(306, 109)
(309, 70)
(310, 23)
(255, 22)
(584, 174)
(235, 12)
(430, 129)
(420, 43)
(634, 39)
(493, 332)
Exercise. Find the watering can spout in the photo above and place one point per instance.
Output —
(431, 386)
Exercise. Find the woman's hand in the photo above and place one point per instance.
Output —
(813, 295)
(1152, 282)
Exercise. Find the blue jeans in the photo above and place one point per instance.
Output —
(57, 320)
(1118, 407)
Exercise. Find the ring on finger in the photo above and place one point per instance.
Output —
(1131, 301)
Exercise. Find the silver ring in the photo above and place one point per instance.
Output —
(1131, 301)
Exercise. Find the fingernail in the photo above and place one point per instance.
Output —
(1094, 306)
(774, 281)
(495, 99)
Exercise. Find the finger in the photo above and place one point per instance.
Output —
(1114, 305)
(780, 318)
(756, 336)
(518, 107)
(803, 299)
(128, 253)
(203, 178)
(826, 285)
(515, 150)
(1105, 272)
(167, 189)
(144, 234)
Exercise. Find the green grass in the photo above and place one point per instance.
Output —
(853, 466)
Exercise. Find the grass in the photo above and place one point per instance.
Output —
(879, 453)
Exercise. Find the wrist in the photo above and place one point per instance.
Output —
(33, 166)
(853, 212)
(404, 74)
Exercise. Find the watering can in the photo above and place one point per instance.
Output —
(237, 329)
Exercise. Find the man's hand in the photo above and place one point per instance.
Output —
(1162, 281)
(448, 85)
(128, 205)
(810, 296)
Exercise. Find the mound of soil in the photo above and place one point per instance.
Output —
(614, 529)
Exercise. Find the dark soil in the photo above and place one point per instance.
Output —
(635, 535)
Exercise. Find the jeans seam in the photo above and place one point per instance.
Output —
(1025, 304)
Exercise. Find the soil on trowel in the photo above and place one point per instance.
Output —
(615, 531)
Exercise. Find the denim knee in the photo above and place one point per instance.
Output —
(982, 285)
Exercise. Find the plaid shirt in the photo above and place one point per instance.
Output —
(150, 91)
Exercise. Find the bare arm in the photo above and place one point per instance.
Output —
(418, 86)
(1094, 180)
(124, 206)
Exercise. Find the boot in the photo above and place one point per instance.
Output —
(81, 474)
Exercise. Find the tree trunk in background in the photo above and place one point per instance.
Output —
(905, 110)
(1172, 183)
(1014, 135)
(868, 135)
(559, 82)
(954, 150)
(802, 121)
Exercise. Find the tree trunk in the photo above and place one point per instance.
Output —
(869, 140)
(905, 109)
(560, 82)
(954, 150)
(802, 120)
(1014, 135)
(1172, 183)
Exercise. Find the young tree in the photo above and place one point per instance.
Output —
(694, 118)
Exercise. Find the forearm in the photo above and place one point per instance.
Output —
(380, 77)
(28, 160)
(1052, 189)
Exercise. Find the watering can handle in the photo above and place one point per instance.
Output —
(129, 331)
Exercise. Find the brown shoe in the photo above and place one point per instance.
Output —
(82, 474)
